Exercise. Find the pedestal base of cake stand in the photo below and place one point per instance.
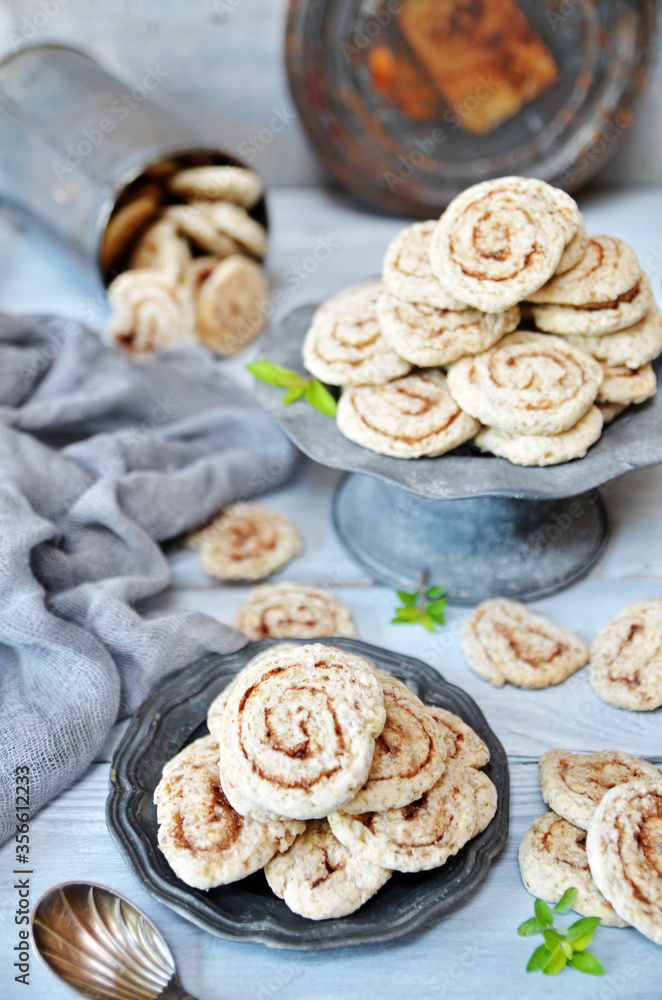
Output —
(475, 548)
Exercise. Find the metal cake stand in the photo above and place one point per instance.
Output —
(474, 523)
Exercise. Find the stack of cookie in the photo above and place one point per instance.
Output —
(453, 295)
(193, 253)
(328, 773)
(601, 838)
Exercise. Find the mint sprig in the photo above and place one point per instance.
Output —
(312, 390)
(424, 606)
(561, 949)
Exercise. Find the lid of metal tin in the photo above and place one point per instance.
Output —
(409, 101)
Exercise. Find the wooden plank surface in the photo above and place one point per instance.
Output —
(476, 950)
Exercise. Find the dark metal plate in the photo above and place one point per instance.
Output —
(247, 910)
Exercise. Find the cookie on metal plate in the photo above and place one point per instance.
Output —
(627, 385)
(407, 271)
(428, 336)
(462, 742)
(543, 449)
(618, 313)
(204, 840)
(407, 418)
(319, 878)
(609, 268)
(635, 346)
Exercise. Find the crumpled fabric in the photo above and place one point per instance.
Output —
(102, 458)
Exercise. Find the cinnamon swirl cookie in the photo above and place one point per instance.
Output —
(543, 449)
(463, 744)
(428, 336)
(421, 835)
(126, 224)
(298, 730)
(624, 848)
(410, 753)
(627, 385)
(500, 240)
(231, 305)
(618, 313)
(293, 611)
(573, 784)
(626, 658)
(407, 271)
(552, 858)
(633, 347)
(345, 345)
(217, 707)
(485, 797)
(234, 222)
(574, 250)
(609, 268)
(160, 248)
(246, 541)
(504, 641)
(217, 183)
(193, 221)
(320, 878)
(528, 384)
(204, 840)
(408, 418)
(149, 312)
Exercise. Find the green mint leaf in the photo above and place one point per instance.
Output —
(437, 607)
(439, 617)
(555, 963)
(407, 599)
(427, 621)
(553, 938)
(293, 394)
(543, 913)
(529, 927)
(434, 593)
(586, 925)
(538, 959)
(320, 398)
(409, 614)
(581, 942)
(272, 374)
(400, 621)
(566, 901)
(584, 961)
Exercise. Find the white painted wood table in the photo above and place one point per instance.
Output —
(475, 951)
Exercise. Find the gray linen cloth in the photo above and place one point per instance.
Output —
(101, 458)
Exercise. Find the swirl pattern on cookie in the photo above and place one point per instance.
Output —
(573, 784)
(609, 268)
(504, 641)
(216, 183)
(410, 753)
(632, 347)
(408, 418)
(293, 611)
(595, 320)
(421, 835)
(428, 336)
(160, 248)
(499, 241)
(463, 744)
(627, 385)
(574, 250)
(624, 847)
(552, 858)
(407, 271)
(543, 449)
(246, 541)
(626, 658)
(298, 730)
(231, 305)
(204, 840)
(529, 383)
(320, 878)
(149, 311)
(345, 344)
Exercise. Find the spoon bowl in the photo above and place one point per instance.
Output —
(103, 946)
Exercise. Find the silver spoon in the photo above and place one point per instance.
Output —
(102, 945)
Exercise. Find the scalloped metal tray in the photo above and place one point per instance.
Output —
(247, 910)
